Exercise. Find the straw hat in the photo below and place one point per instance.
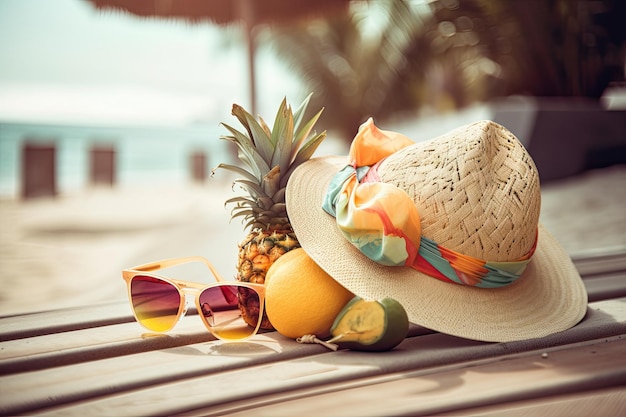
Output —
(477, 193)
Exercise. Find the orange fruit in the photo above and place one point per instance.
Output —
(301, 298)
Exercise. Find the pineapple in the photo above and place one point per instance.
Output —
(269, 157)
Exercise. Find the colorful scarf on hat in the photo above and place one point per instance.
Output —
(381, 220)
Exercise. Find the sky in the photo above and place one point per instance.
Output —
(63, 61)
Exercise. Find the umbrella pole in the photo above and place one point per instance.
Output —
(251, 67)
(246, 13)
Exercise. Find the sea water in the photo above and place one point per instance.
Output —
(143, 155)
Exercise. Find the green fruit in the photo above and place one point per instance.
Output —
(370, 325)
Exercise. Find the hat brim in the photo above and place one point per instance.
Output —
(549, 297)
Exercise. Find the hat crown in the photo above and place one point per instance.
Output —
(476, 189)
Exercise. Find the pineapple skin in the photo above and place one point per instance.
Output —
(258, 251)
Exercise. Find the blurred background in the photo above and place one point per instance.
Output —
(110, 115)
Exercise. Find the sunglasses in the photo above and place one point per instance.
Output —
(158, 303)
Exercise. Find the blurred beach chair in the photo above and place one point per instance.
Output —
(38, 170)
(102, 165)
(198, 161)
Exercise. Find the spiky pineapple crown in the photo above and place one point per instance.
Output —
(269, 156)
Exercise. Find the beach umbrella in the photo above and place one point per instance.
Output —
(249, 13)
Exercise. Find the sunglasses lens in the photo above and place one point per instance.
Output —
(223, 312)
(156, 303)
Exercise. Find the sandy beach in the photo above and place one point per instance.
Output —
(69, 251)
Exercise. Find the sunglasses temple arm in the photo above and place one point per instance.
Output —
(216, 274)
(153, 266)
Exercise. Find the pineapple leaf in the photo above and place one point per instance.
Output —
(241, 201)
(247, 152)
(251, 187)
(282, 135)
(271, 181)
(238, 112)
(279, 196)
(249, 224)
(299, 114)
(303, 134)
(304, 154)
(264, 202)
(245, 214)
(235, 169)
(239, 211)
(259, 136)
(256, 171)
(265, 127)
(279, 121)
(278, 208)
(263, 219)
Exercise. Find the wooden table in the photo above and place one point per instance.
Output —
(96, 360)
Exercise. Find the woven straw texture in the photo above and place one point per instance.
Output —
(477, 191)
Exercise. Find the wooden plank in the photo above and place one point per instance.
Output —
(597, 263)
(64, 320)
(606, 286)
(605, 402)
(91, 344)
(432, 391)
(604, 274)
(300, 386)
(30, 391)
(213, 374)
